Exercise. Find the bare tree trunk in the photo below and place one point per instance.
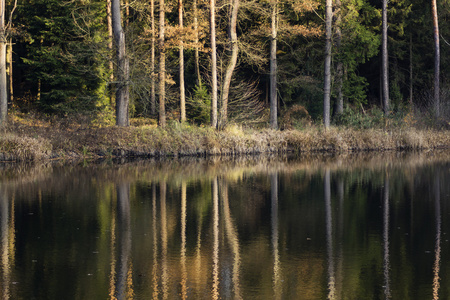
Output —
(182, 89)
(327, 80)
(162, 66)
(152, 60)
(437, 58)
(340, 65)
(196, 41)
(122, 92)
(410, 72)
(232, 63)
(385, 62)
(273, 68)
(110, 49)
(213, 63)
(3, 81)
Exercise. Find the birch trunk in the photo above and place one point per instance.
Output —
(232, 63)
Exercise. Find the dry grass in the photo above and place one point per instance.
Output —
(28, 138)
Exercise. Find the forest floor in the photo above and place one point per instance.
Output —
(26, 138)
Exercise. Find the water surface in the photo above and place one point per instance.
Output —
(314, 227)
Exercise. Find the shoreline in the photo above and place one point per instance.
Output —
(44, 142)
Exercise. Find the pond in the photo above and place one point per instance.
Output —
(354, 226)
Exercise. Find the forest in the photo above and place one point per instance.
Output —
(262, 63)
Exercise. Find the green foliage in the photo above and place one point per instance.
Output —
(199, 105)
(358, 119)
(61, 55)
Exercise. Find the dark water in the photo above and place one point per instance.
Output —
(336, 227)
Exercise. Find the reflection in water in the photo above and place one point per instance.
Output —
(329, 228)
(386, 263)
(155, 245)
(183, 242)
(274, 219)
(437, 261)
(124, 266)
(164, 241)
(215, 271)
(218, 236)
(7, 241)
(233, 239)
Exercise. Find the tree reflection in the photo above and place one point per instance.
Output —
(7, 242)
(276, 281)
(233, 239)
(183, 242)
(386, 262)
(329, 229)
(124, 280)
(437, 260)
(215, 272)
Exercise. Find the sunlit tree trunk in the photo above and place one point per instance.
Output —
(232, 63)
(182, 89)
(162, 66)
(152, 60)
(327, 79)
(384, 59)
(437, 59)
(196, 42)
(3, 81)
(213, 63)
(122, 92)
(273, 68)
(110, 49)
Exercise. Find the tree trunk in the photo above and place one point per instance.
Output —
(340, 65)
(122, 91)
(152, 60)
(182, 90)
(273, 68)
(437, 59)
(196, 41)
(110, 49)
(327, 80)
(385, 62)
(3, 81)
(232, 63)
(162, 66)
(411, 100)
(213, 63)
